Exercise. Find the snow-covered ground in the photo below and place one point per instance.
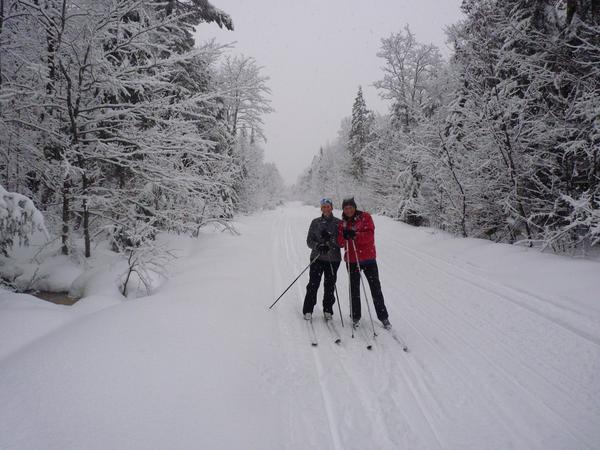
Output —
(505, 352)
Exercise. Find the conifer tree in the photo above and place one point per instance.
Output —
(358, 136)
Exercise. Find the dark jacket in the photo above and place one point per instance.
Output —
(364, 242)
(324, 230)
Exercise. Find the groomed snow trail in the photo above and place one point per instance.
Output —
(504, 353)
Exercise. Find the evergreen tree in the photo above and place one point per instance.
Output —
(359, 135)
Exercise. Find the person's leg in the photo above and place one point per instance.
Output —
(372, 274)
(310, 299)
(355, 291)
(330, 272)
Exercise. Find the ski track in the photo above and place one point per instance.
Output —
(380, 425)
(507, 293)
(494, 337)
(481, 322)
(478, 395)
(362, 386)
(301, 339)
(293, 256)
(300, 412)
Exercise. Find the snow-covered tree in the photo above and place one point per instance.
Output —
(524, 115)
(359, 135)
(121, 102)
(19, 219)
(329, 174)
(409, 69)
(260, 185)
(245, 95)
(501, 142)
(411, 79)
(245, 100)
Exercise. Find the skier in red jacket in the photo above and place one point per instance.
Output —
(356, 234)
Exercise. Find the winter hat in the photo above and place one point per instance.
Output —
(349, 202)
(326, 201)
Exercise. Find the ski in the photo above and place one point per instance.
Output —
(366, 336)
(397, 338)
(312, 335)
(337, 339)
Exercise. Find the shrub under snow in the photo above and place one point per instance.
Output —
(19, 219)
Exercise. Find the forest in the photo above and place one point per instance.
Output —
(118, 126)
(501, 141)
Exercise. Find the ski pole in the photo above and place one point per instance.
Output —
(349, 285)
(296, 279)
(362, 282)
(336, 293)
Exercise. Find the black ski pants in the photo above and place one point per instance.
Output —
(371, 272)
(317, 269)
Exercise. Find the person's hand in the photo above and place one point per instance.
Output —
(323, 248)
(349, 234)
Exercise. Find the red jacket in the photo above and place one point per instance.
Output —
(364, 241)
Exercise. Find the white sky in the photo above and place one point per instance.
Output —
(317, 53)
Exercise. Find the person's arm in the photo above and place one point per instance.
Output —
(368, 224)
(341, 242)
(311, 238)
(333, 239)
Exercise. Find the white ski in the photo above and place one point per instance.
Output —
(333, 331)
(397, 338)
(366, 335)
(311, 333)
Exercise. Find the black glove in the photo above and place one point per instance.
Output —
(349, 234)
(326, 235)
(323, 248)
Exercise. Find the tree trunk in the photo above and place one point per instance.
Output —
(463, 196)
(1, 29)
(515, 186)
(66, 213)
(86, 219)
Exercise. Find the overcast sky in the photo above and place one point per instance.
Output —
(317, 53)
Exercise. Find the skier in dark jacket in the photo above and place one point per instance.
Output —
(322, 239)
(356, 233)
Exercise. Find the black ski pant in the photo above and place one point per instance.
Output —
(372, 275)
(317, 269)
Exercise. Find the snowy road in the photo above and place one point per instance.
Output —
(505, 353)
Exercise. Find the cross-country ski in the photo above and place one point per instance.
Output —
(365, 336)
(312, 335)
(396, 338)
(337, 338)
